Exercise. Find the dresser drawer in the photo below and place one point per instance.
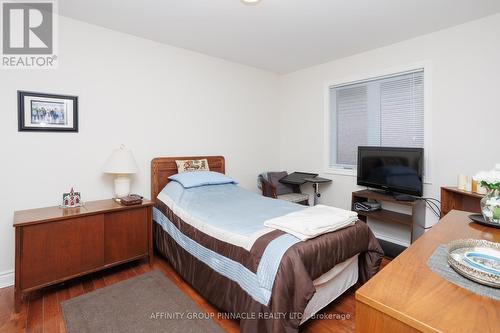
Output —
(57, 250)
(125, 235)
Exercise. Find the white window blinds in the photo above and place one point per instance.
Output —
(387, 111)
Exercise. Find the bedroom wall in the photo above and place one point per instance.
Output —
(155, 99)
(465, 112)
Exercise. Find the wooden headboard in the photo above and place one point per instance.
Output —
(164, 167)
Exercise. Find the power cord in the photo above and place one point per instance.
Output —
(434, 204)
(433, 207)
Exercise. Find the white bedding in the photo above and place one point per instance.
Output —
(224, 235)
(313, 221)
(226, 212)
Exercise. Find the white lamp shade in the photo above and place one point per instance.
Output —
(121, 161)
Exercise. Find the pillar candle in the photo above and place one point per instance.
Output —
(462, 182)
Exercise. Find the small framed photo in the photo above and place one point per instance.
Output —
(46, 112)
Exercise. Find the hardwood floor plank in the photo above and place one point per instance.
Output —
(139, 270)
(75, 288)
(111, 276)
(142, 268)
(88, 284)
(35, 314)
(312, 326)
(98, 282)
(42, 313)
(10, 321)
(62, 295)
(127, 272)
(5, 308)
(51, 313)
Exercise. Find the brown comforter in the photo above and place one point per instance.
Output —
(293, 286)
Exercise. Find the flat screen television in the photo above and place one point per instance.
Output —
(395, 170)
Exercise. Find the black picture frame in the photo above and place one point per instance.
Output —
(48, 98)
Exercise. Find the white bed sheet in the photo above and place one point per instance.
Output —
(331, 285)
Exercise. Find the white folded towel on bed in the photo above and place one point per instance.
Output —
(313, 221)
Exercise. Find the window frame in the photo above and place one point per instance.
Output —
(360, 78)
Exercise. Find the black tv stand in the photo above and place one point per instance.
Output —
(397, 196)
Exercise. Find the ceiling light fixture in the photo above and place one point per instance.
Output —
(250, 2)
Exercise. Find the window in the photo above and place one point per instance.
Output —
(386, 111)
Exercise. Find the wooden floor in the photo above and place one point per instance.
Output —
(42, 312)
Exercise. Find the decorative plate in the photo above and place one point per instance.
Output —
(478, 218)
(477, 260)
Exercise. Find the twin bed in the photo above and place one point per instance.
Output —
(214, 236)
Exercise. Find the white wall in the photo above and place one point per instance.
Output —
(165, 101)
(155, 99)
(465, 108)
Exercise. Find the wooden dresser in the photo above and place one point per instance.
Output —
(453, 198)
(55, 244)
(406, 296)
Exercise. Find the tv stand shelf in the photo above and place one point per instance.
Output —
(389, 216)
(411, 220)
(373, 195)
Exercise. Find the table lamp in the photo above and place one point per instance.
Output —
(122, 164)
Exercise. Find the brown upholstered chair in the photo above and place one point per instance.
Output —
(272, 188)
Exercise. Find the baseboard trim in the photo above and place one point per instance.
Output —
(7, 279)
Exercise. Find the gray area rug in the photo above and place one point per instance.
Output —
(438, 263)
(146, 303)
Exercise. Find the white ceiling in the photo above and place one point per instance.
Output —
(278, 35)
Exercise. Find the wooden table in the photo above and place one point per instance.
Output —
(406, 296)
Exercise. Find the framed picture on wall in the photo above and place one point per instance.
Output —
(47, 112)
